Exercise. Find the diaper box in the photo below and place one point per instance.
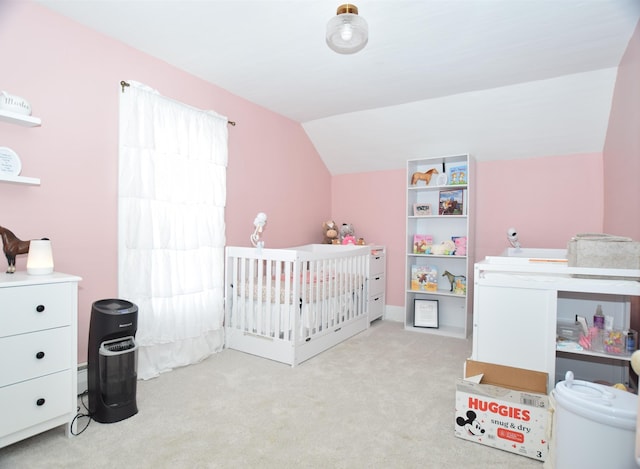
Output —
(504, 407)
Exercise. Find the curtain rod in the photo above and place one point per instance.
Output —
(124, 84)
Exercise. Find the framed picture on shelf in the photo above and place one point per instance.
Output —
(451, 202)
(425, 313)
(421, 210)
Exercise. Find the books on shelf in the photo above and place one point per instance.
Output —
(422, 244)
(451, 202)
(424, 278)
(458, 175)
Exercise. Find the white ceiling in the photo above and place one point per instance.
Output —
(496, 78)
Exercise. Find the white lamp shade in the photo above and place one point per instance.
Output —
(40, 257)
(347, 33)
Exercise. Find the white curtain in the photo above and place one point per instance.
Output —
(171, 199)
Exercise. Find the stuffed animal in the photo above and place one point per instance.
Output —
(461, 245)
(330, 230)
(347, 230)
(445, 248)
(349, 239)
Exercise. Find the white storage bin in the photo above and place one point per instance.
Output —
(595, 425)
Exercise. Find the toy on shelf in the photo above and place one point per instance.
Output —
(461, 245)
(458, 282)
(426, 176)
(445, 248)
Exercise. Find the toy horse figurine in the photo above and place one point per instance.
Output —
(453, 278)
(426, 177)
(12, 246)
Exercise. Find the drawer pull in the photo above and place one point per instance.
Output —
(40, 355)
(40, 402)
(40, 308)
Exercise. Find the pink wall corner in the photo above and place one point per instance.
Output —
(622, 147)
(71, 77)
(373, 203)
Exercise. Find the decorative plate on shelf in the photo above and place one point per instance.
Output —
(9, 162)
(442, 179)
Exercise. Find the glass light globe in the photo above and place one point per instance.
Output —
(347, 33)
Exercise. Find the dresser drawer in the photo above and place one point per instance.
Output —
(35, 307)
(376, 264)
(35, 401)
(20, 354)
(376, 285)
(376, 307)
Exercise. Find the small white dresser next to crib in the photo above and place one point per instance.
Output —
(38, 346)
(376, 280)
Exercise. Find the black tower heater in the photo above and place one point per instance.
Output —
(112, 366)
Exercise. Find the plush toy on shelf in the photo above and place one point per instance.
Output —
(445, 248)
(331, 235)
(461, 245)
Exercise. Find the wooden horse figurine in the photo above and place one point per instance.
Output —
(426, 176)
(452, 278)
(12, 246)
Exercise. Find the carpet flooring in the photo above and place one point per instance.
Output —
(382, 399)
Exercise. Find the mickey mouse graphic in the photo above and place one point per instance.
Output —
(471, 425)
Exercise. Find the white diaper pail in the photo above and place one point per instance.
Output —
(595, 425)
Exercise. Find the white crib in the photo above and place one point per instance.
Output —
(291, 304)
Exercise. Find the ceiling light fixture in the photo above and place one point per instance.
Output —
(347, 33)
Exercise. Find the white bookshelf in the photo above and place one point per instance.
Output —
(454, 309)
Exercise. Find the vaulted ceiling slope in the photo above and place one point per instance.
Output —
(496, 78)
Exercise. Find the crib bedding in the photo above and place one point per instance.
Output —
(276, 291)
(274, 320)
(302, 301)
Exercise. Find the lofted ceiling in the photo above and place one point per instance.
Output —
(499, 79)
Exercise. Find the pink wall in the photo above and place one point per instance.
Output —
(622, 148)
(373, 203)
(548, 199)
(71, 77)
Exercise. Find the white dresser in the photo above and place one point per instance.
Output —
(376, 282)
(38, 354)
